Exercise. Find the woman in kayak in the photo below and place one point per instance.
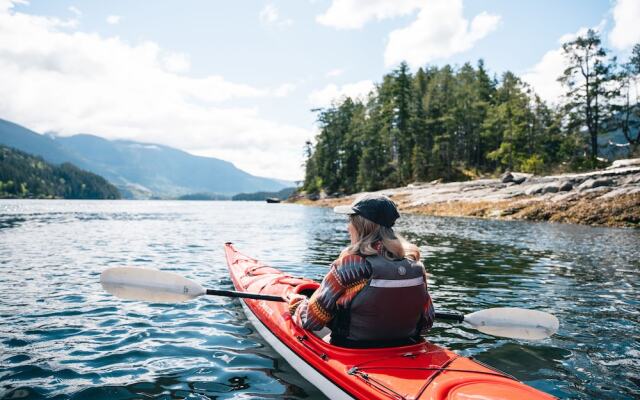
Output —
(375, 294)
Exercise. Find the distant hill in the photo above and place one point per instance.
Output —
(203, 197)
(25, 176)
(262, 196)
(614, 145)
(139, 170)
(21, 138)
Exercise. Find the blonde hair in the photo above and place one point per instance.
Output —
(394, 246)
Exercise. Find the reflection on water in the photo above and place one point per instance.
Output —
(62, 336)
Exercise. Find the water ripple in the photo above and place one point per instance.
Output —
(62, 337)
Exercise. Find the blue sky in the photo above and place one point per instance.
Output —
(237, 80)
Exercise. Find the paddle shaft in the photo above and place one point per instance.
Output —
(244, 295)
(450, 316)
(231, 293)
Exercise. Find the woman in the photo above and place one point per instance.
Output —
(375, 294)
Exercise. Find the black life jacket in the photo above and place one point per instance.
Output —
(388, 309)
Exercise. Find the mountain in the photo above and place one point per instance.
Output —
(21, 138)
(139, 170)
(614, 145)
(262, 196)
(25, 176)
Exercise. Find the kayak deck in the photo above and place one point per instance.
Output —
(417, 371)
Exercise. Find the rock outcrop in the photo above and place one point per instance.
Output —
(609, 197)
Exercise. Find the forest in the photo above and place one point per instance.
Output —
(26, 176)
(459, 123)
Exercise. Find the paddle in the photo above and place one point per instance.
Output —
(167, 287)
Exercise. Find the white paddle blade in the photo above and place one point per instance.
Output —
(149, 285)
(514, 323)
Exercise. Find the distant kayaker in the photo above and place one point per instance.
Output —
(375, 293)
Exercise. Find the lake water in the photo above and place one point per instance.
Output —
(62, 336)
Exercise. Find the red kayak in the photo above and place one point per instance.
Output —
(417, 371)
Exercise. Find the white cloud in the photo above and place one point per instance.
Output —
(332, 93)
(76, 11)
(439, 31)
(543, 76)
(271, 17)
(269, 14)
(114, 19)
(284, 90)
(354, 14)
(626, 30)
(54, 79)
(334, 72)
(6, 5)
(176, 62)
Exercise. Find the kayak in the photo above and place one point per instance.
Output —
(417, 371)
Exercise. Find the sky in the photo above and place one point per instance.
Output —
(238, 80)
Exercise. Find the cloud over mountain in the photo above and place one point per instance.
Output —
(58, 78)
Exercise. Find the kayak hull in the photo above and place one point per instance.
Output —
(317, 379)
(417, 371)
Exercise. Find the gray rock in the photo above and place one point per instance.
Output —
(616, 192)
(506, 177)
(600, 189)
(631, 162)
(603, 182)
(565, 186)
(553, 188)
(518, 180)
(630, 180)
(594, 183)
(535, 189)
(518, 175)
(565, 197)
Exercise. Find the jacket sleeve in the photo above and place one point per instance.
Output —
(345, 278)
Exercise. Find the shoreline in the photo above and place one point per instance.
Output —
(609, 197)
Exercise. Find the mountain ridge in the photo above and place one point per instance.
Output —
(23, 175)
(139, 169)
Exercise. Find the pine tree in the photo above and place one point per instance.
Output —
(629, 109)
(403, 116)
(588, 79)
(439, 102)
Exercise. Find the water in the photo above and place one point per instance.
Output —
(62, 336)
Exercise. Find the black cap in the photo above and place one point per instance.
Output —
(374, 207)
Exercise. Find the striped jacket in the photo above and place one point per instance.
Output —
(346, 277)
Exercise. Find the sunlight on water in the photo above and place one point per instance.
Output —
(62, 336)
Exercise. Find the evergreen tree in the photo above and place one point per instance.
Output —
(486, 89)
(402, 127)
(440, 105)
(422, 137)
(374, 164)
(311, 178)
(588, 79)
(629, 110)
(512, 125)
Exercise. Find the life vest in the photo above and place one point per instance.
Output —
(389, 308)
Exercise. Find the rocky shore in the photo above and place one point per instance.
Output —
(609, 197)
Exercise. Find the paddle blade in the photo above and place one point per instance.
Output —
(514, 323)
(149, 285)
